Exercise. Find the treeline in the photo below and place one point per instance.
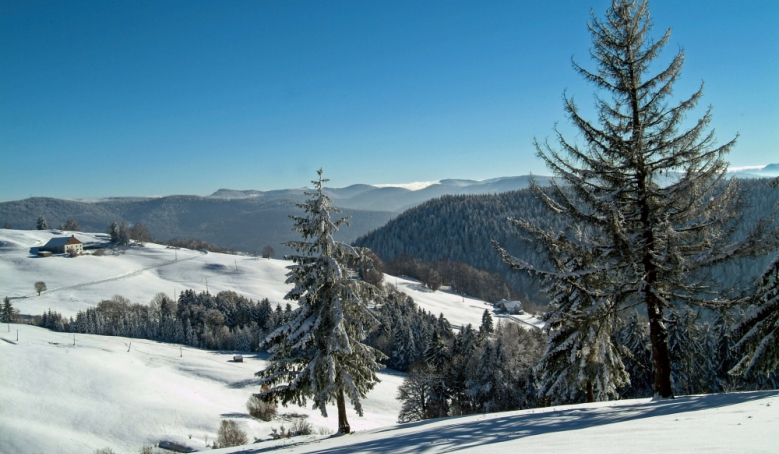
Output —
(196, 244)
(225, 321)
(123, 233)
(473, 371)
(462, 278)
(461, 229)
(228, 321)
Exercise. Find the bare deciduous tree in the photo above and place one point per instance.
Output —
(40, 286)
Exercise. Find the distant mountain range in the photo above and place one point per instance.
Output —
(391, 198)
(243, 220)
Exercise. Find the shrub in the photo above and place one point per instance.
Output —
(99, 252)
(324, 430)
(301, 427)
(230, 435)
(104, 451)
(261, 409)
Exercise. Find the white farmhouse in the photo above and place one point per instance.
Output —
(63, 245)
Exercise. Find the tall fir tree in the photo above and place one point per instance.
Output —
(486, 323)
(319, 353)
(113, 230)
(8, 311)
(42, 224)
(649, 197)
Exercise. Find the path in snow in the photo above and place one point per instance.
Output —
(111, 279)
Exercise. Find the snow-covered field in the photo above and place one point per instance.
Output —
(139, 273)
(56, 397)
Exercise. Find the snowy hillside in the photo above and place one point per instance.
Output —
(139, 273)
(725, 423)
(56, 397)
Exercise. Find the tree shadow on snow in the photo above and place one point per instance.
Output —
(470, 434)
(236, 415)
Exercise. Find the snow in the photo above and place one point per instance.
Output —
(139, 273)
(57, 397)
(459, 310)
(725, 423)
(65, 398)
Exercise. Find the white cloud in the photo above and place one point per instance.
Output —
(416, 186)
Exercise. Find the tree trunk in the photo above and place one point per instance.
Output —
(343, 424)
(590, 393)
(661, 357)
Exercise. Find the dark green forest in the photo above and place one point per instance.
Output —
(461, 228)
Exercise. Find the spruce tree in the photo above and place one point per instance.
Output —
(113, 230)
(486, 323)
(758, 332)
(42, 224)
(123, 236)
(7, 313)
(319, 353)
(644, 195)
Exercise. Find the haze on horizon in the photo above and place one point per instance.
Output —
(101, 99)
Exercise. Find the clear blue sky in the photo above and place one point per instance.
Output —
(112, 98)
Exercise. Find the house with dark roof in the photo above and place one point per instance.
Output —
(63, 245)
(512, 307)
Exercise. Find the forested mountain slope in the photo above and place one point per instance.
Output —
(460, 228)
(246, 224)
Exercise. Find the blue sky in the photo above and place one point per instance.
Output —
(154, 98)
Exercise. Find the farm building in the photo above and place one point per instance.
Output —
(512, 307)
(63, 245)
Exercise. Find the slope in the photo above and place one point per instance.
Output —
(724, 423)
(62, 396)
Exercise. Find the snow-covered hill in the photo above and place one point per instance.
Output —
(138, 273)
(57, 397)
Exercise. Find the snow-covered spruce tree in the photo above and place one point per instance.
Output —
(319, 353)
(649, 195)
(580, 361)
(690, 362)
(7, 312)
(42, 224)
(113, 230)
(486, 323)
(758, 331)
(632, 338)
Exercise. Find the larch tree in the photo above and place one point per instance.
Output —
(644, 192)
(319, 353)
